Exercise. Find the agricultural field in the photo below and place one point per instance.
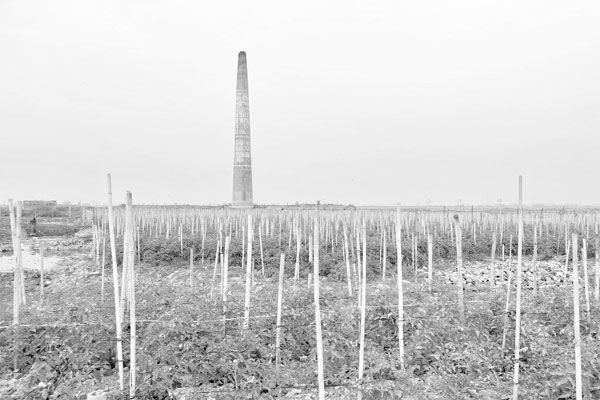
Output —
(204, 309)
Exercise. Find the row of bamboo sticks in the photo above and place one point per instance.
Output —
(308, 227)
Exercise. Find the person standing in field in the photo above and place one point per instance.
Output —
(33, 224)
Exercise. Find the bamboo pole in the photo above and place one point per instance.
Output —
(181, 239)
(279, 311)
(459, 265)
(384, 266)
(16, 278)
(518, 295)
(358, 270)
(214, 277)
(400, 289)
(139, 248)
(42, 273)
(348, 272)
(113, 248)
(203, 230)
(576, 323)
(16, 282)
(319, 337)
(585, 278)
(19, 255)
(363, 308)
(125, 284)
(535, 261)
(568, 248)
(597, 274)
(507, 306)
(262, 260)
(103, 264)
(191, 265)
(493, 263)
(297, 265)
(429, 261)
(224, 277)
(248, 275)
(131, 296)
(414, 255)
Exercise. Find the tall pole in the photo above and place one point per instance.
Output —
(113, 248)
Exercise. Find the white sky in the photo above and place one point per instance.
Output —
(363, 102)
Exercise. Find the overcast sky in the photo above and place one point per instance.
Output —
(363, 102)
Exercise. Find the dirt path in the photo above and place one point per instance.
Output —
(56, 249)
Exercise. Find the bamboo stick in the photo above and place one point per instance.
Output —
(191, 265)
(125, 284)
(16, 278)
(103, 264)
(224, 281)
(585, 278)
(279, 312)
(400, 289)
(384, 266)
(214, 277)
(319, 337)
(42, 273)
(348, 272)
(248, 275)
(113, 248)
(597, 273)
(131, 295)
(19, 255)
(507, 306)
(493, 263)
(363, 308)
(297, 265)
(567, 250)
(429, 261)
(535, 261)
(576, 323)
(459, 264)
(518, 295)
(262, 260)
